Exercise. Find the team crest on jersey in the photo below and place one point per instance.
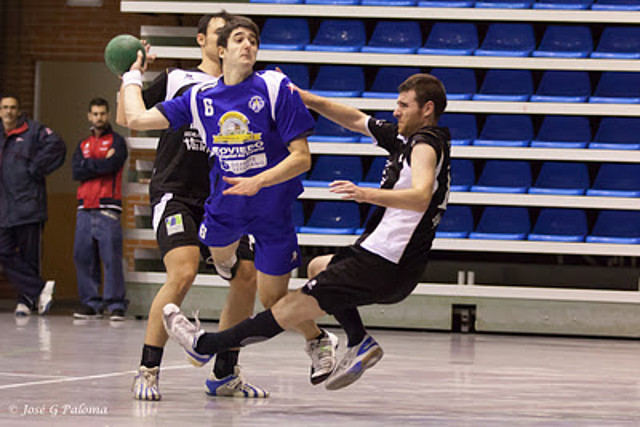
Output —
(234, 129)
(256, 103)
(174, 224)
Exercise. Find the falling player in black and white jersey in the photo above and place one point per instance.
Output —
(387, 261)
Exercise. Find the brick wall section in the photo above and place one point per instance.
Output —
(48, 30)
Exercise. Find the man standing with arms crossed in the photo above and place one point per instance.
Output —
(181, 174)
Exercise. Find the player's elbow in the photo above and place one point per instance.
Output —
(137, 123)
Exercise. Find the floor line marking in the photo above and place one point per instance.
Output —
(14, 374)
(88, 377)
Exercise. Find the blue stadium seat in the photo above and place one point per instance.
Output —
(387, 80)
(339, 36)
(460, 83)
(456, 223)
(339, 80)
(618, 133)
(505, 4)
(277, 1)
(563, 4)
(446, 3)
(297, 73)
(559, 178)
(333, 218)
(463, 127)
(504, 176)
(624, 5)
(619, 43)
(394, 3)
(334, 2)
(297, 212)
(400, 37)
(381, 115)
(374, 174)
(612, 226)
(463, 174)
(565, 41)
(503, 223)
(617, 88)
(284, 34)
(508, 40)
(328, 131)
(509, 130)
(563, 86)
(506, 85)
(617, 180)
(560, 225)
(563, 132)
(330, 168)
(451, 38)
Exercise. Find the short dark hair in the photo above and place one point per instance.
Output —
(10, 95)
(237, 22)
(98, 102)
(427, 88)
(203, 23)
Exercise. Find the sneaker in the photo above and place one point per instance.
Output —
(145, 384)
(322, 352)
(117, 315)
(356, 360)
(185, 333)
(46, 297)
(85, 311)
(22, 310)
(233, 385)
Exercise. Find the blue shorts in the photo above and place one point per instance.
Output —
(276, 243)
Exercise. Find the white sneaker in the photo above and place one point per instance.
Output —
(145, 384)
(233, 385)
(22, 310)
(356, 360)
(322, 352)
(46, 297)
(185, 333)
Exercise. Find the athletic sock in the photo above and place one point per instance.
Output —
(226, 361)
(351, 322)
(151, 356)
(258, 328)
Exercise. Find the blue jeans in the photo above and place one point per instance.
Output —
(99, 237)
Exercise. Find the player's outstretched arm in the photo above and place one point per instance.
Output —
(297, 162)
(416, 198)
(344, 115)
(137, 117)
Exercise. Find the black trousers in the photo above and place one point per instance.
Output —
(20, 255)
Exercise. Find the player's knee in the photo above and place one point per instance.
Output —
(181, 279)
(268, 299)
(317, 265)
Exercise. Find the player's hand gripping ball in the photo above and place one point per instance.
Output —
(121, 52)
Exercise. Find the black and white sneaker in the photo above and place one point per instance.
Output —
(87, 312)
(117, 315)
(322, 352)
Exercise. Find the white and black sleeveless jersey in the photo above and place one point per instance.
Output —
(404, 236)
(181, 166)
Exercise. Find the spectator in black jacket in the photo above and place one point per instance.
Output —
(97, 164)
(28, 152)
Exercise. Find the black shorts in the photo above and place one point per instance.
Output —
(357, 277)
(176, 221)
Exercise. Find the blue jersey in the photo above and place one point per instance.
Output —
(247, 127)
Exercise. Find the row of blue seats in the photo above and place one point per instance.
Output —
(461, 84)
(556, 178)
(451, 38)
(496, 222)
(514, 130)
(498, 176)
(622, 5)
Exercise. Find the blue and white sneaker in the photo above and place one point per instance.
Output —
(356, 360)
(185, 333)
(145, 384)
(233, 385)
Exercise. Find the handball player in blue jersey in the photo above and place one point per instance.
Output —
(256, 126)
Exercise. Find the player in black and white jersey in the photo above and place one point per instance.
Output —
(178, 189)
(387, 261)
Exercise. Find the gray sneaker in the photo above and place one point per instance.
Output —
(356, 360)
(233, 385)
(322, 352)
(145, 384)
(46, 297)
(184, 333)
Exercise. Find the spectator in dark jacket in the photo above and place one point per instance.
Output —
(97, 164)
(28, 152)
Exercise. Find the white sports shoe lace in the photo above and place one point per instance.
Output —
(183, 330)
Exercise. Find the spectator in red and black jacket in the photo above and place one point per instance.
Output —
(28, 152)
(97, 164)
